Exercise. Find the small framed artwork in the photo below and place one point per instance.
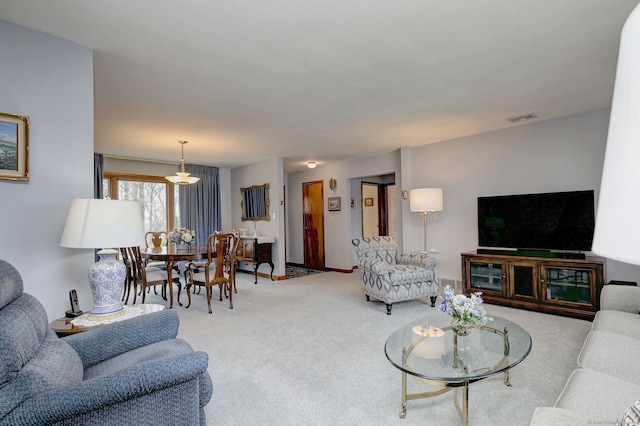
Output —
(334, 204)
(368, 202)
(353, 203)
(14, 147)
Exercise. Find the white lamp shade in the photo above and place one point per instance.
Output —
(182, 178)
(617, 231)
(96, 223)
(426, 200)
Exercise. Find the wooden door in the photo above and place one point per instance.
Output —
(313, 223)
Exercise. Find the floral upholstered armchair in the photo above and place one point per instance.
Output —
(390, 276)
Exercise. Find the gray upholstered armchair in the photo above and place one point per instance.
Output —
(392, 277)
(130, 372)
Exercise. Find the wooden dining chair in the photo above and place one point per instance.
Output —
(147, 276)
(218, 269)
(156, 238)
(128, 281)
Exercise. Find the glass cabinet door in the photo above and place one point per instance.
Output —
(567, 285)
(523, 280)
(486, 276)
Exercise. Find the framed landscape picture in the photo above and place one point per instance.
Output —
(334, 204)
(14, 147)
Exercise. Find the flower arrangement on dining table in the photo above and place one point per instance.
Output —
(466, 311)
(181, 236)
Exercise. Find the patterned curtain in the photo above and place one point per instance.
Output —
(200, 202)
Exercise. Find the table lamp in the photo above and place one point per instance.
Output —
(105, 225)
(426, 201)
(617, 228)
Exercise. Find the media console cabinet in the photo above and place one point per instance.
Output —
(564, 286)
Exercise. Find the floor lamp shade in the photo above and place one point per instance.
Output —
(425, 200)
(617, 231)
(106, 224)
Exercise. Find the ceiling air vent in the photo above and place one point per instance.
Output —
(524, 117)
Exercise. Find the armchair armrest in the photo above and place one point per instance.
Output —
(373, 265)
(620, 298)
(417, 259)
(124, 336)
(120, 388)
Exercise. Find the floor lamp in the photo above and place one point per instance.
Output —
(106, 225)
(426, 201)
(617, 229)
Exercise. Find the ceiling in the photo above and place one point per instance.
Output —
(327, 80)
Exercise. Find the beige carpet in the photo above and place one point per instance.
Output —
(310, 351)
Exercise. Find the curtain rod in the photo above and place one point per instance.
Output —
(144, 160)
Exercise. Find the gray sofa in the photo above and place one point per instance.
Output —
(130, 372)
(605, 389)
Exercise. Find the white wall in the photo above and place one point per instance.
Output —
(553, 155)
(51, 81)
(338, 228)
(268, 171)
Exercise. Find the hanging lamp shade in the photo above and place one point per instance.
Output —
(182, 177)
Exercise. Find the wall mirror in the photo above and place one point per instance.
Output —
(255, 202)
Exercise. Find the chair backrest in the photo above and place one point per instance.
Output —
(383, 248)
(156, 239)
(26, 369)
(222, 248)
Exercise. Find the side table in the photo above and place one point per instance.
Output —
(67, 326)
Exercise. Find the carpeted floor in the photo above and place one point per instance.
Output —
(310, 351)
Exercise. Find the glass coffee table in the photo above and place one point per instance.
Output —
(428, 350)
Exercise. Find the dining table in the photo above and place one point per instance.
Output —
(172, 254)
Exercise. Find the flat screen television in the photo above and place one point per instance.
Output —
(550, 221)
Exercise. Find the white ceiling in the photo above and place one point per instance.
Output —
(246, 80)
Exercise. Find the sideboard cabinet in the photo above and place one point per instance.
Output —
(256, 251)
(569, 287)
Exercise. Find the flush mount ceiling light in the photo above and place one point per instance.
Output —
(311, 164)
(182, 177)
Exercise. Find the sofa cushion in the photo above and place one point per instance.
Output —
(23, 326)
(552, 416)
(10, 283)
(611, 354)
(630, 417)
(618, 322)
(137, 357)
(54, 365)
(597, 395)
(408, 274)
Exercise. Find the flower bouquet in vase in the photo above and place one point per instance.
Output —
(181, 237)
(465, 311)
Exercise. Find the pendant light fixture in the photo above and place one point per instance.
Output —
(182, 177)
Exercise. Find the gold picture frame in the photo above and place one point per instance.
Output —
(14, 147)
(368, 202)
(334, 204)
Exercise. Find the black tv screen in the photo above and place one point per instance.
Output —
(551, 221)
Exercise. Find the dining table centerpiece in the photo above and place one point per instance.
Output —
(465, 311)
(181, 237)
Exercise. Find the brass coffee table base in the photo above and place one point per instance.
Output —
(463, 410)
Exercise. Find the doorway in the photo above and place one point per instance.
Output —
(378, 209)
(313, 224)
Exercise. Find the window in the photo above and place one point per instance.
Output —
(158, 198)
